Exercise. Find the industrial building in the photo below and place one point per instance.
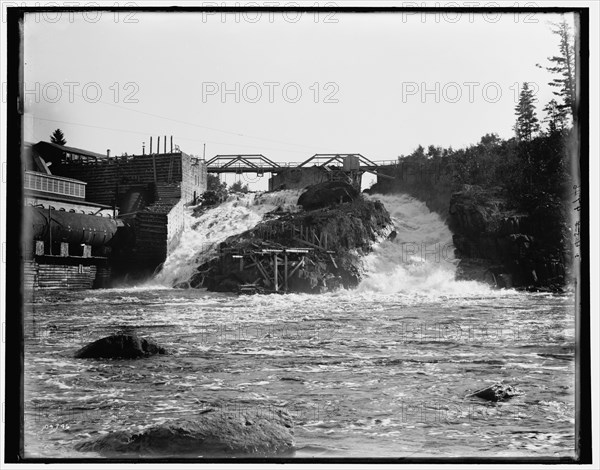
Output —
(94, 219)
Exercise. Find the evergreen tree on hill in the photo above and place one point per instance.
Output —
(527, 123)
(556, 117)
(563, 65)
(58, 137)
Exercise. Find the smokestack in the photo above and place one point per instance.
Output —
(165, 145)
(150, 145)
(143, 148)
(158, 145)
(108, 153)
(171, 144)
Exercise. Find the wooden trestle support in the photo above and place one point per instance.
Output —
(276, 265)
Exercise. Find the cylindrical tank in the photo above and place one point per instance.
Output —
(70, 227)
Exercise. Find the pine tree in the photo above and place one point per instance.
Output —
(58, 137)
(564, 65)
(556, 117)
(527, 123)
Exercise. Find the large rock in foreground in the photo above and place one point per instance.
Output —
(327, 194)
(122, 346)
(212, 434)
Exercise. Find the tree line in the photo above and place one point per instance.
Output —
(533, 169)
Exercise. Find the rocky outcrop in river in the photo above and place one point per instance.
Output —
(338, 228)
(495, 243)
(121, 346)
(211, 434)
(496, 392)
(499, 245)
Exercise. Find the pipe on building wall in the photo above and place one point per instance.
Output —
(70, 227)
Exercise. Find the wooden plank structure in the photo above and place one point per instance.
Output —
(147, 193)
(305, 235)
(64, 269)
(68, 275)
(59, 276)
(110, 180)
(276, 265)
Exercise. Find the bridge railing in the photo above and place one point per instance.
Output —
(241, 165)
(262, 165)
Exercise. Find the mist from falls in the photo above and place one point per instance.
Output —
(419, 260)
(202, 235)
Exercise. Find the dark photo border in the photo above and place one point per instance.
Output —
(14, 375)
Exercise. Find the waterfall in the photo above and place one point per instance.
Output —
(202, 235)
(420, 259)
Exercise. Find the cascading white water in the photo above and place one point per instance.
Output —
(420, 260)
(202, 235)
(421, 257)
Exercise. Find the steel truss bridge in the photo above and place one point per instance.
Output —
(259, 164)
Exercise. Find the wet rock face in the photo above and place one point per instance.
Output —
(123, 346)
(327, 194)
(343, 233)
(212, 434)
(496, 392)
(497, 245)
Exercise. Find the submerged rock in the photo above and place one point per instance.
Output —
(213, 433)
(124, 346)
(495, 392)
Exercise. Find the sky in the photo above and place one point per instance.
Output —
(285, 86)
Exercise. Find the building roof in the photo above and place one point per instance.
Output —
(63, 148)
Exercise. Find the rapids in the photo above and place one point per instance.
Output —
(201, 235)
(380, 371)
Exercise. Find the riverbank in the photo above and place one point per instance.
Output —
(499, 242)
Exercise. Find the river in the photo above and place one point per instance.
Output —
(383, 370)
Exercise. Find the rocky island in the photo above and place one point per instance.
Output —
(315, 250)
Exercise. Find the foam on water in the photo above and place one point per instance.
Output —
(421, 257)
(201, 235)
(349, 366)
(418, 264)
